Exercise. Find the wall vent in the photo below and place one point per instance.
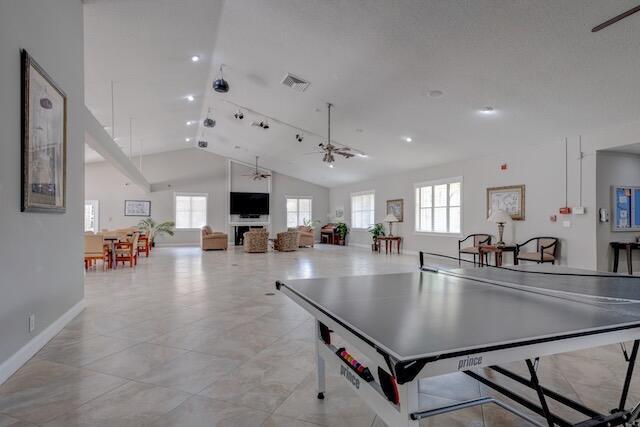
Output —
(295, 83)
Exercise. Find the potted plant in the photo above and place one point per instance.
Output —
(342, 230)
(309, 223)
(376, 231)
(153, 229)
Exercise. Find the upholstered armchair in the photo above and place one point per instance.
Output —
(287, 241)
(546, 250)
(307, 237)
(210, 239)
(256, 241)
(94, 249)
(477, 241)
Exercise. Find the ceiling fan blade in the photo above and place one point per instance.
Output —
(345, 155)
(615, 19)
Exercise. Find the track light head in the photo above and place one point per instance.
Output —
(203, 144)
(220, 85)
(299, 137)
(264, 124)
(239, 115)
(209, 122)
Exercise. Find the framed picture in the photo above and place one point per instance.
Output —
(340, 213)
(396, 207)
(137, 208)
(510, 199)
(44, 140)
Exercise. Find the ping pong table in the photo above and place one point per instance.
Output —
(443, 319)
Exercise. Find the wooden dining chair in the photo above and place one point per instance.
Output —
(127, 251)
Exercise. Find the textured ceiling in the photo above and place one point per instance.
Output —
(535, 62)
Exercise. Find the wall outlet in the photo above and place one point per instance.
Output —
(32, 322)
(566, 224)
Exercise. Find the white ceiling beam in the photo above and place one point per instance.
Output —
(99, 140)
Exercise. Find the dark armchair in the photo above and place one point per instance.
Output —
(546, 250)
(478, 239)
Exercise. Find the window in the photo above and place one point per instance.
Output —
(439, 206)
(191, 210)
(91, 215)
(298, 211)
(362, 209)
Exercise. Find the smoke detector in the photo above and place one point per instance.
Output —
(295, 83)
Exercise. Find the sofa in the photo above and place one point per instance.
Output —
(210, 240)
(287, 241)
(256, 240)
(307, 236)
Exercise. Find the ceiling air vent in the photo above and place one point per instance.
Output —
(295, 83)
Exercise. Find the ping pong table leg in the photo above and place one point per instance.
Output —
(409, 402)
(320, 368)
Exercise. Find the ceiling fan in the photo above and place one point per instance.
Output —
(328, 149)
(257, 175)
(615, 19)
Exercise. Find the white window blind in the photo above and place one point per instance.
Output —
(362, 209)
(191, 210)
(439, 206)
(298, 210)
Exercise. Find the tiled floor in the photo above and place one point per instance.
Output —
(195, 339)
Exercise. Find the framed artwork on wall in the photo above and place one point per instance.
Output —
(396, 207)
(339, 213)
(44, 140)
(510, 199)
(137, 208)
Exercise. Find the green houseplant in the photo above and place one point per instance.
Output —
(376, 231)
(342, 230)
(310, 222)
(153, 229)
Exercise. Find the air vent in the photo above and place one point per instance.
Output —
(295, 83)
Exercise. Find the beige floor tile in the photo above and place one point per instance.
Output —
(239, 347)
(83, 352)
(6, 421)
(42, 390)
(200, 411)
(280, 421)
(130, 405)
(134, 362)
(190, 372)
(257, 385)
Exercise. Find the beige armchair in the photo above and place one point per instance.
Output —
(546, 250)
(287, 241)
(210, 239)
(256, 240)
(307, 237)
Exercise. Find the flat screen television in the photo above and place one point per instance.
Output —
(249, 204)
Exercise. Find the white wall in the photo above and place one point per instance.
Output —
(541, 169)
(189, 170)
(40, 254)
(614, 169)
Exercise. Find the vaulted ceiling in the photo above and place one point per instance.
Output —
(535, 62)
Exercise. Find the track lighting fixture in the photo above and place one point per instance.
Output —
(209, 122)
(220, 85)
(299, 137)
(264, 124)
(239, 115)
(203, 144)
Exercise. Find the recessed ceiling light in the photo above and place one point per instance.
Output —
(195, 58)
(189, 122)
(331, 165)
(487, 110)
(436, 93)
(407, 139)
(362, 155)
(190, 98)
(187, 139)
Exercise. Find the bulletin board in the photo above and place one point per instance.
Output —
(626, 208)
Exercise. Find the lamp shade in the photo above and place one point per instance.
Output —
(499, 216)
(390, 218)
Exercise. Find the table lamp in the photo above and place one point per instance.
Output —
(500, 217)
(390, 218)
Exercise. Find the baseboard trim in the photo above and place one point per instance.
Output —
(172, 245)
(22, 356)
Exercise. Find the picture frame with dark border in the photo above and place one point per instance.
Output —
(396, 207)
(43, 140)
(511, 198)
(137, 208)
